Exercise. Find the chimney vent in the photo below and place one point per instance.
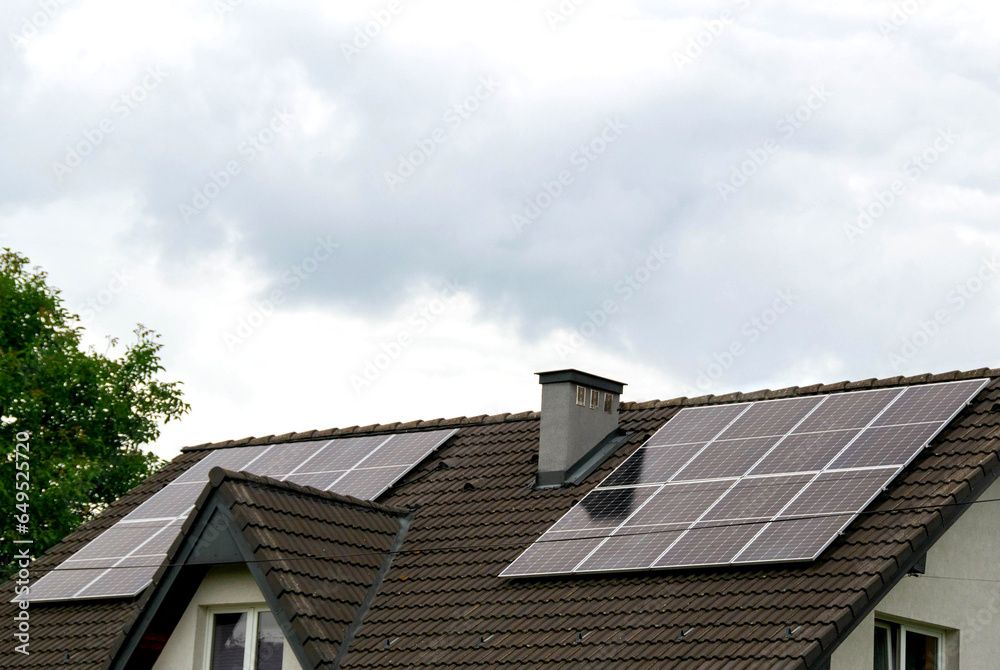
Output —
(579, 424)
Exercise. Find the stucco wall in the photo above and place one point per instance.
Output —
(223, 585)
(948, 596)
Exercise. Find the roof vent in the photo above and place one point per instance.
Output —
(579, 425)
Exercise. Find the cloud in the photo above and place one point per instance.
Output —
(698, 93)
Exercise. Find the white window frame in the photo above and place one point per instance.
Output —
(929, 632)
(900, 628)
(250, 649)
(891, 634)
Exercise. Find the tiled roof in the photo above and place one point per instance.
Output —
(442, 605)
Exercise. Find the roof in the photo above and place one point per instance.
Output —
(441, 604)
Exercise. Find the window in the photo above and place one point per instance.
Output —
(581, 396)
(608, 402)
(905, 647)
(595, 398)
(248, 639)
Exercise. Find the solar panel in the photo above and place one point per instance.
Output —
(122, 561)
(762, 482)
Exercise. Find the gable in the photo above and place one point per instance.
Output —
(223, 587)
(317, 560)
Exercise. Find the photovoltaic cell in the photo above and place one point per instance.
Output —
(605, 509)
(318, 480)
(794, 539)
(746, 483)
(696, 424)
(680, 503)
(341, 454)
(635, 548)
(122, 561)
(726, 458)
(287, 458)
(652, 465)
(149, 561)
(705, 546)
(401, 450)
(551, 558)
(757, 498)
(771, 417)
(117, 581)
(62, 584)
(847, 411)
(889, 445)
(118, 541)
(367, 483)
(933, 402)
(171, 501)
(834, 492)
(235, 459)
(804, 452)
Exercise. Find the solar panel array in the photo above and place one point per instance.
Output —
(121, 562)
(764, 482)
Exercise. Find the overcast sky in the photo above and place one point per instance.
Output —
(348, 213)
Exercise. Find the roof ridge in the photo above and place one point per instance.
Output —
(218, 476)
(814, 389)
(482, 419)
(375, 428)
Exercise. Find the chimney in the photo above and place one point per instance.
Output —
(579, 425)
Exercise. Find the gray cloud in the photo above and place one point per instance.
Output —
(657, 185)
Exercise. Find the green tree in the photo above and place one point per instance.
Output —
(86, 414)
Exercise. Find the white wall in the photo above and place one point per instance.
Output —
(223, 585)
(948, 596)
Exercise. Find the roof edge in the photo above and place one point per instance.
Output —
(683, 401)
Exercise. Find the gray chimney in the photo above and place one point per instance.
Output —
(579, 425)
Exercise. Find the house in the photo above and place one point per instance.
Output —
(272, 574)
